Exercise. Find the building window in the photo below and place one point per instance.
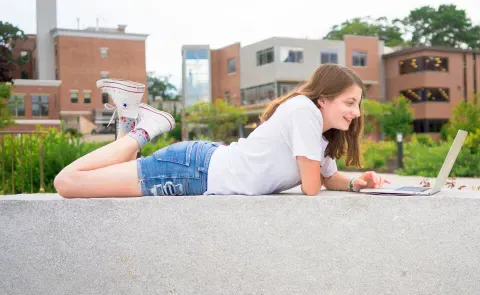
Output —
(227, 97)
(87, 97)
(424, 63)
(359, 59)
(290, 54)
(197, 77)
(104, 52)
(231, 66)
(40, 105)
(104, 75)
(258, 95)
(104, 97)
(265, 56)
(417, 95)
(428, 125)
(328, 57)
(284, 87)
(16, 105)
(74, 96)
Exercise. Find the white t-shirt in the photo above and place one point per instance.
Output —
(265, 162)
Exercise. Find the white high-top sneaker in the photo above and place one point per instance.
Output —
(154, 121)
(125, 94)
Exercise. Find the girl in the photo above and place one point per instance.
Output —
(301, 135)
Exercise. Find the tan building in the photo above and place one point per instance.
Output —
(434, 80)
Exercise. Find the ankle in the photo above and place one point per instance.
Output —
(141, 136)
(131, 143)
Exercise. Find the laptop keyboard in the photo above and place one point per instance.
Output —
(412, 189)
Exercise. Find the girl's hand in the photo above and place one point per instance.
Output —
(369, 179)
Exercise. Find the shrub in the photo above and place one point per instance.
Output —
(59, 150)
(426, 159)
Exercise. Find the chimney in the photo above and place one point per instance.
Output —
(121, 28)
(46, 11)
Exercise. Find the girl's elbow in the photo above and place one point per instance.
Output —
(310, 191)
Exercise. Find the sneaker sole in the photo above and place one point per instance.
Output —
(166, 115)
(127, 86)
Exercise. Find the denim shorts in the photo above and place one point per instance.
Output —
(176, 170)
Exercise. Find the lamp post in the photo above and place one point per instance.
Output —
(400, 149)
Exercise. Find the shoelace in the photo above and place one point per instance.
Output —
(110, 107)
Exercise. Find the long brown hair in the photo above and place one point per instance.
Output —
(327, 82)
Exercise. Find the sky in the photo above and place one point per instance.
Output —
(171, 24)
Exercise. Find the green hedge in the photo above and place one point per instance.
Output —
(422, 156)
(374, 154)
(59, 150)
(426, 159)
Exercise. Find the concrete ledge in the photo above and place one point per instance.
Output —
(334, 243)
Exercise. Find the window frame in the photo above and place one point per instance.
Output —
(358, 54)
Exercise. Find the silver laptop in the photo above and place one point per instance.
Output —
(439, 182)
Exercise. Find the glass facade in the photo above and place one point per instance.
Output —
(196, 76)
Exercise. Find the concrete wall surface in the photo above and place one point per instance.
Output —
(333, 243)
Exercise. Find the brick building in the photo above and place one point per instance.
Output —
(434, 80)
(80, 58)
(25, 49)
(255, 74)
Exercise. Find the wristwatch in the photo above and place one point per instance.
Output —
(350, 185)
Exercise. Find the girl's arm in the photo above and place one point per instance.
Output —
(310, 175)
(340, 182)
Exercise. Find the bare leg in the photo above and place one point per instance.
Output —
(119, 151)
(119, 180)
(134, 154)
(106, 172)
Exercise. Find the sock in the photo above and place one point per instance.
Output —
(126, 124)
(140, 135)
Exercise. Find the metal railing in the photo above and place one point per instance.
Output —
(23, 159)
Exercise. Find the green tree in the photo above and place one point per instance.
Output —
(389, 31)
(161, 86)
(373, 111)
(5, 118)
(6, 65)
(446, 26)
(8, 35)
(398, 117)
(221, 118)
(465, 116)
